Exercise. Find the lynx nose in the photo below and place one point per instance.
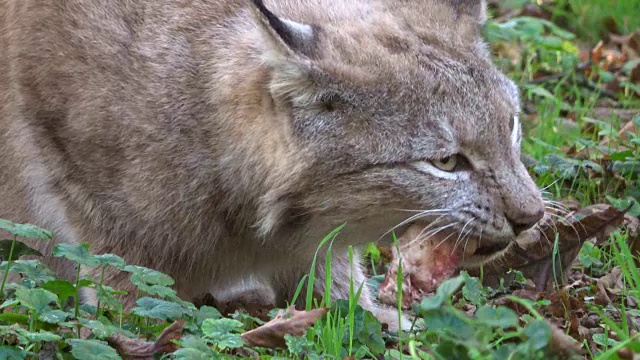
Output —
(524, 221)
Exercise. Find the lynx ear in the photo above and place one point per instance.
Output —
(288, 36)
(476, 9)
(287, 47)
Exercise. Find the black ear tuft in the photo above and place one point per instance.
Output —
(276, 24)
(296, 36)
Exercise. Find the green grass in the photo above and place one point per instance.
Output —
(592, 178)
(588, 16)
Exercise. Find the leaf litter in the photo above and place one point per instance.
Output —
(286, 322)
(138, 349)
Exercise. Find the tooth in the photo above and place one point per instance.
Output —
(471, 247)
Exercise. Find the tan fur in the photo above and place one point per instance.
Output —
(197, 138)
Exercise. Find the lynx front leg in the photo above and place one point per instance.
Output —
(343, 273)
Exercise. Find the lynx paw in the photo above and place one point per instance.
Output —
(389, 316)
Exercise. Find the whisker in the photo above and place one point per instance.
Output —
(425, 229)
(549, 222)
(420, 215)
(554, 202)
(556, 211)
(543, 234)
(466, 239)
(557, 207)
(416, 210)
(432, 232)
(480, 237)
(562, 219)
(461, 232)
(425, 235)
(551, 200)
(443, 240)
(548, 186)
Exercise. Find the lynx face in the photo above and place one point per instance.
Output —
(405, 113)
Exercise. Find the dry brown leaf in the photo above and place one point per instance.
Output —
(624, 114)
(48, 351)
(613, 59)
(534, 10)
(634, 74)
(607, 113)
(591, 321)
(563, 345)
(625, 354)
(609, 286)
(634, 243)
(630, 126)
(562, 303)
(613, 279)
(289, 321)
(139, 349)
(633, 43)
(585, 332)
(596, 53)
(532, 251)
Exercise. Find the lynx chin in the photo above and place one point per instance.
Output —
(221, 140)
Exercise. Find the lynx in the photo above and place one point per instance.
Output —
(221, 140)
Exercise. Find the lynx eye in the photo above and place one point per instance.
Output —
(447, 167)
(446, 164)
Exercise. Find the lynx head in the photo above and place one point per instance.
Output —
(399, 107)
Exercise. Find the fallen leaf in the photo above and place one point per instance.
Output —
(591, 321)
(596, 53)
(562, 303)
(563, 345)
(290, 321)
(504, 300)
(48, 351)
(625, 354)
(534, 10)
(634, 244)
(607, 113)
(532, 252)
(608, 286)
(139, 349)
(634, 75)
(633, 42)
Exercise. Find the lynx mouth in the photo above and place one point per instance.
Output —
(490, 249)
(477, 253)
(471, 252)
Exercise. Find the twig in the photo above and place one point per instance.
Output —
(581, 80)
(578, 68)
